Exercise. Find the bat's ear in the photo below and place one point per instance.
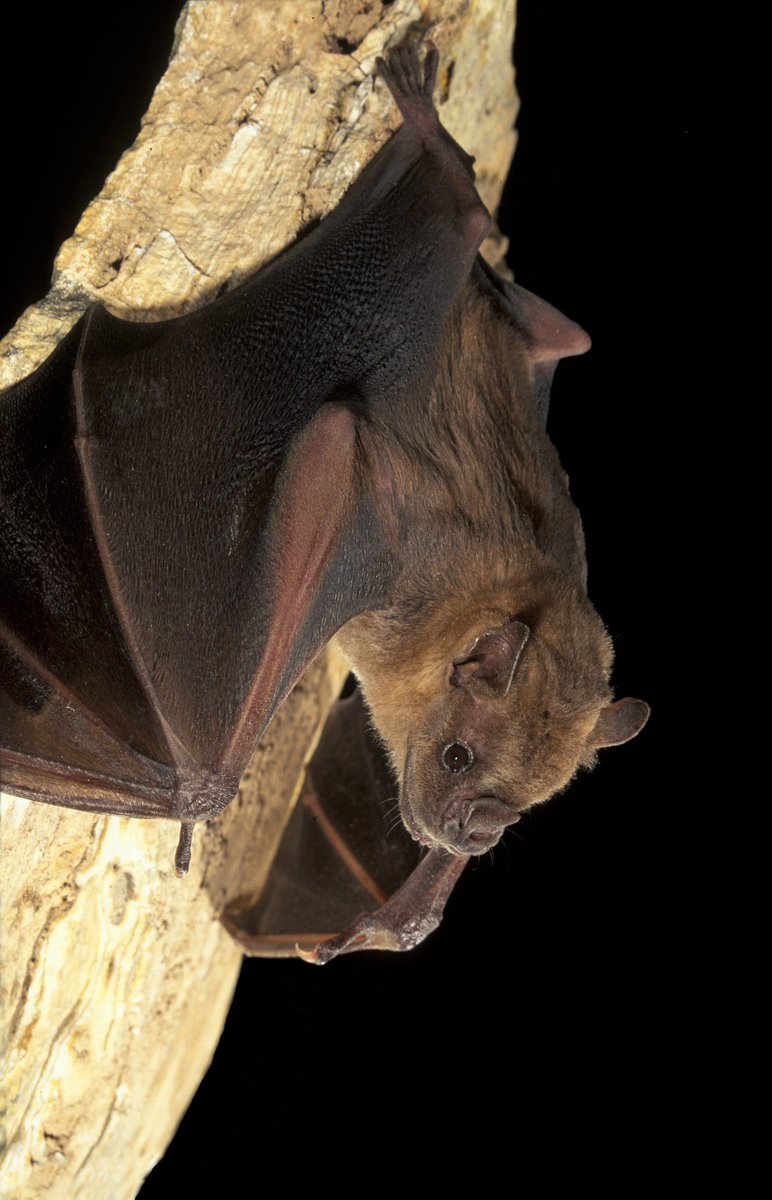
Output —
(548, 334)
(619, 722)
(488, 665)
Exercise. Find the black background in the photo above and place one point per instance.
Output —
(529, 1030)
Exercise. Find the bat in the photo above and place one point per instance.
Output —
(386, 478)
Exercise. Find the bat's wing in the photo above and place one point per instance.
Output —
(187, 515)
(173, 556)
(345, 853)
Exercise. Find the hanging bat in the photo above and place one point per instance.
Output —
(352, 442)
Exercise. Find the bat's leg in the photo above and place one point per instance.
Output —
(407, 918)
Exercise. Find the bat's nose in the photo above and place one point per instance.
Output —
(472, 824)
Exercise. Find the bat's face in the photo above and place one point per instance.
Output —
(513, 726)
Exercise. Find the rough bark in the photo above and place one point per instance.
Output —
(116, 975)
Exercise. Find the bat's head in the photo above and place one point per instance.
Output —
(521, 711)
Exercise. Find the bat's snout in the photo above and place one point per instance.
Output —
(473, 823)
(470, 824)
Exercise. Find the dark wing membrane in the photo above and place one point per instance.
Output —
(345, 850)
(54, 748)
(177, 486)
(69, 693)
(347, 876)
(219, 490)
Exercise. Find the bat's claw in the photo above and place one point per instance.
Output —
(308, 956)
(182, 854)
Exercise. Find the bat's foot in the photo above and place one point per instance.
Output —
(412, 89)
(413, 92)
(406, 919)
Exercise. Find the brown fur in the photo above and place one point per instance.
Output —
(495, 537)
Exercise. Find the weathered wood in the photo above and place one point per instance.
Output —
(116, 975)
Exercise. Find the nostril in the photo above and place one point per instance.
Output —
(464, 813)
(475, 820)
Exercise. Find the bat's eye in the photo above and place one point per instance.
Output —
(456, 757)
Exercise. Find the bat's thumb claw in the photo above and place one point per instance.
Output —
(182, 854)
(308, 956)
(356, 938)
